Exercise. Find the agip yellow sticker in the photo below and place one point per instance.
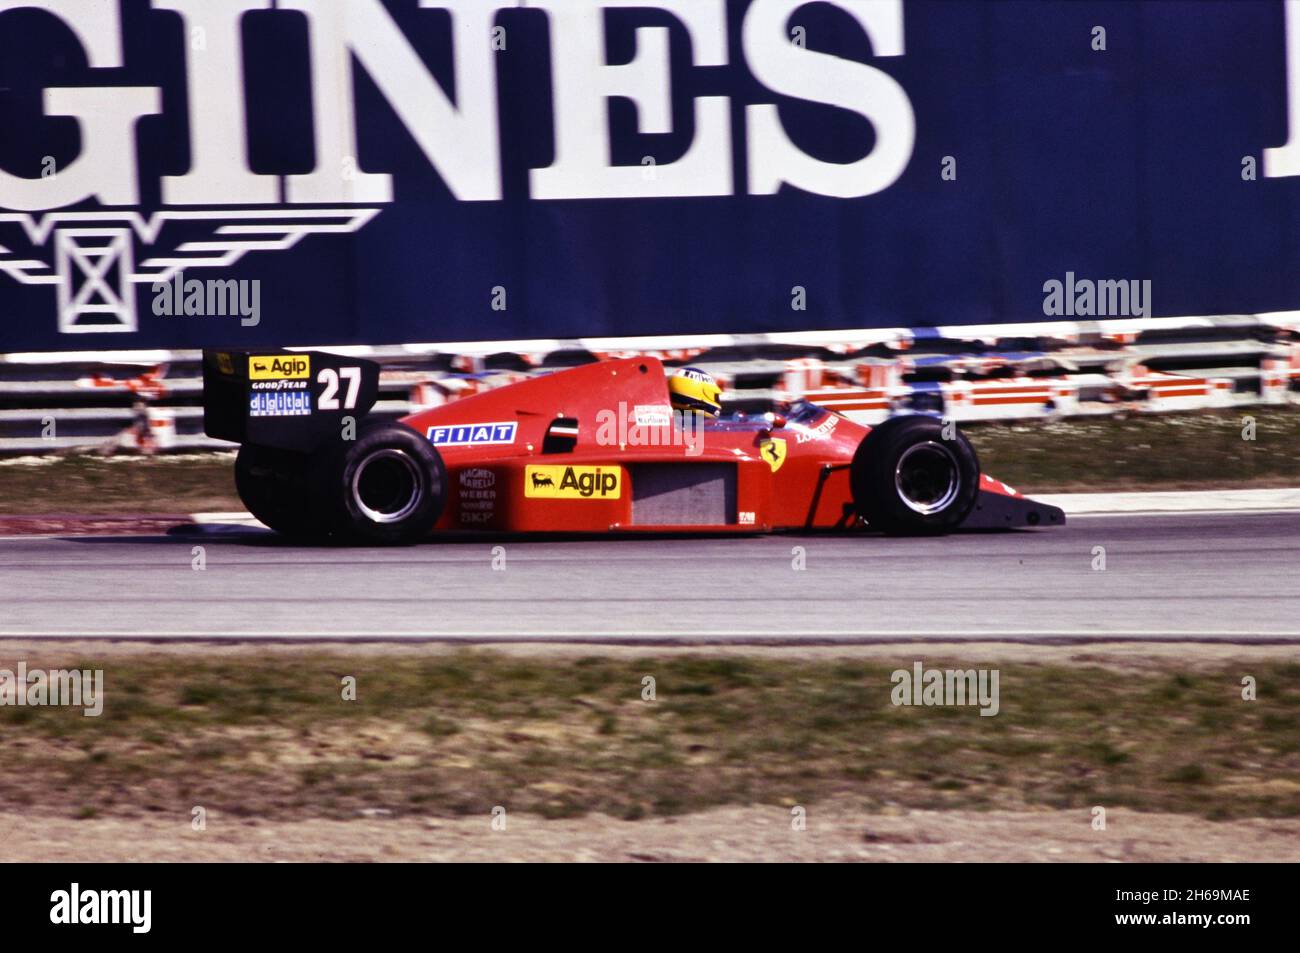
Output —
(573, 483)
(279, 367)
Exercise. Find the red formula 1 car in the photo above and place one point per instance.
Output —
(595, 448)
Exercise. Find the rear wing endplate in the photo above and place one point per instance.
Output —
(293, 400)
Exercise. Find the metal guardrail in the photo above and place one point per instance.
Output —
(59, 402)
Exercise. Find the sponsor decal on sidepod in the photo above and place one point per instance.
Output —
(478, 496)
(473, 435)
(573, 483)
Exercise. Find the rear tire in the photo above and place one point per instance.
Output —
(907, 480)
(274, 486)
(387, 487)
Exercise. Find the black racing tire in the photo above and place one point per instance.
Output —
(388, 487)
(907, 480)
(274, 486)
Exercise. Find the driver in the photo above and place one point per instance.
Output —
(693, 391)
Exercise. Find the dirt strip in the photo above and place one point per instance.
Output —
(1120, 656)
(89, 525)
(835, 831)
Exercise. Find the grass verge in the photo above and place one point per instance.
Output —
(88, 483)
(460, 732)
(1192, 451)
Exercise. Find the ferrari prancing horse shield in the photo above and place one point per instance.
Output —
(772, 449)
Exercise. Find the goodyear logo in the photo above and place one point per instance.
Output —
(279, 367)
(573, 483)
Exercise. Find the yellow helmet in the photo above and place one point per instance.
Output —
(691, 389)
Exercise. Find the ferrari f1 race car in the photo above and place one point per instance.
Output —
(595, 448)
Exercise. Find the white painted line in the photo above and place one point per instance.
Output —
(1121, 514)
(235, 518)
(675, 636)
(1175, 501)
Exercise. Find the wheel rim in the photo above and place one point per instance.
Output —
(387, 486)
(927, 478)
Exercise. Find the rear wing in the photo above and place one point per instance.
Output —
(293, 400)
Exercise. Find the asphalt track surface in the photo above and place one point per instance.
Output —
(1229, 577)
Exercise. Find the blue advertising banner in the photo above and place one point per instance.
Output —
(179, 173)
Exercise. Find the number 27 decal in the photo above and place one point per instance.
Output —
(329, 399)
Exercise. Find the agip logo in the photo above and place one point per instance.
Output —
(280, 368)
(573, 483)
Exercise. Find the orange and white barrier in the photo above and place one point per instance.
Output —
(1171, 392)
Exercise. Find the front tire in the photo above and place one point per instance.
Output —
(908, 480)
(387, 487)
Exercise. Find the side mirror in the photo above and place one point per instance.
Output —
(776, 421)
